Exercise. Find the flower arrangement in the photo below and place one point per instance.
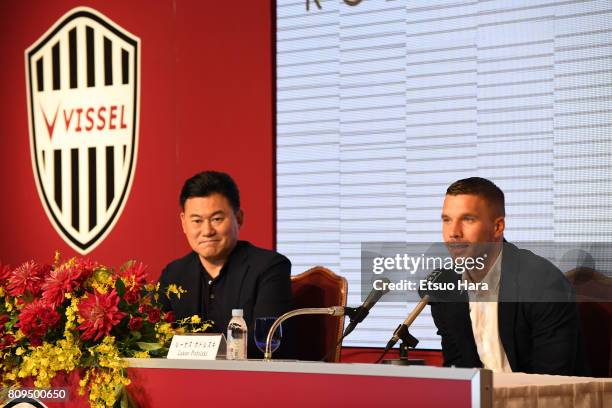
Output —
(82, 315)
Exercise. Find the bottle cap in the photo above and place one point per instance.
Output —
(236, 312)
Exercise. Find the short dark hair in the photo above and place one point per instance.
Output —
(481, 187)
(210, 182)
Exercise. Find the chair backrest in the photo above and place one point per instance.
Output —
(594, 297)
(316, 336)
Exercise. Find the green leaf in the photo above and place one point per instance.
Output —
(136, 335)
(148, 346)
(120, 287)
(124, 400)
(162, 352)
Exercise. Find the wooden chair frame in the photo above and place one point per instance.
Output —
(337, 280)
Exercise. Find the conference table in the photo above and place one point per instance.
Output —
(187, 383)
(162, 383)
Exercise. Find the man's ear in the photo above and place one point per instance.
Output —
(240, 217)
(500, 225)
(182, 217)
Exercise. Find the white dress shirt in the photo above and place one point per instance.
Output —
(484, 317)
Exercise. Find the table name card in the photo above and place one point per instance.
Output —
(197, 347)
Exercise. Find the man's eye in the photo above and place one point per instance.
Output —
(217, 219)
(197, 221)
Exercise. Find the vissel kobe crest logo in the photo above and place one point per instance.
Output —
(83, 80)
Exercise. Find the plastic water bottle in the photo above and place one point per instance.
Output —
(237, 337)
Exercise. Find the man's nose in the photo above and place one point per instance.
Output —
(455, 230)
(207, 229)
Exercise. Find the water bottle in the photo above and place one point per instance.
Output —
(237, 337)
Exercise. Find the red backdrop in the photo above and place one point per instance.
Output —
(206, 103)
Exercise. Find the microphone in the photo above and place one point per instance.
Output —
(362, 311)
(437, 276)
(408, 322)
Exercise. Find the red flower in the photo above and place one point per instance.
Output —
(100, 313)
(6, 340)
(131, 296)
(134, 274)
(169, 317)
(36, 318)
(154, 315)
(145, 308)
(27, 278)
(59, 282)
(86, 267)
(135, 323)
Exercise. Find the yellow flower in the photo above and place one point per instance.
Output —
(101, 280)
(84, 381)
(195, 319)
(177, 290)
(44, 361)
(201, 328)
(71, 316)
(19, 335)
(11, 375)
(106, 379)
(141, 354)
(164, 332)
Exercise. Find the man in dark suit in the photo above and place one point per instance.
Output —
(223, 273)
(527, 320)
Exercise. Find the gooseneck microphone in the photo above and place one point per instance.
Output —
(408, 322)
(357, 315)
(438, 275)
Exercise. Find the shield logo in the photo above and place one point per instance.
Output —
(83, 87)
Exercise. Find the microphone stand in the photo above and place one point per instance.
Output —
(408, 341)
(331, 311)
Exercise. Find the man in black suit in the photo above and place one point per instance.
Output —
(223, 273)
(526, 320)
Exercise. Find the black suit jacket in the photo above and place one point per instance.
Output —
(542, 336)
(259, 283)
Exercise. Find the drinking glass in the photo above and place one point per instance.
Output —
(262, 328)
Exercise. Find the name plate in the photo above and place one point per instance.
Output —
(200, 346)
